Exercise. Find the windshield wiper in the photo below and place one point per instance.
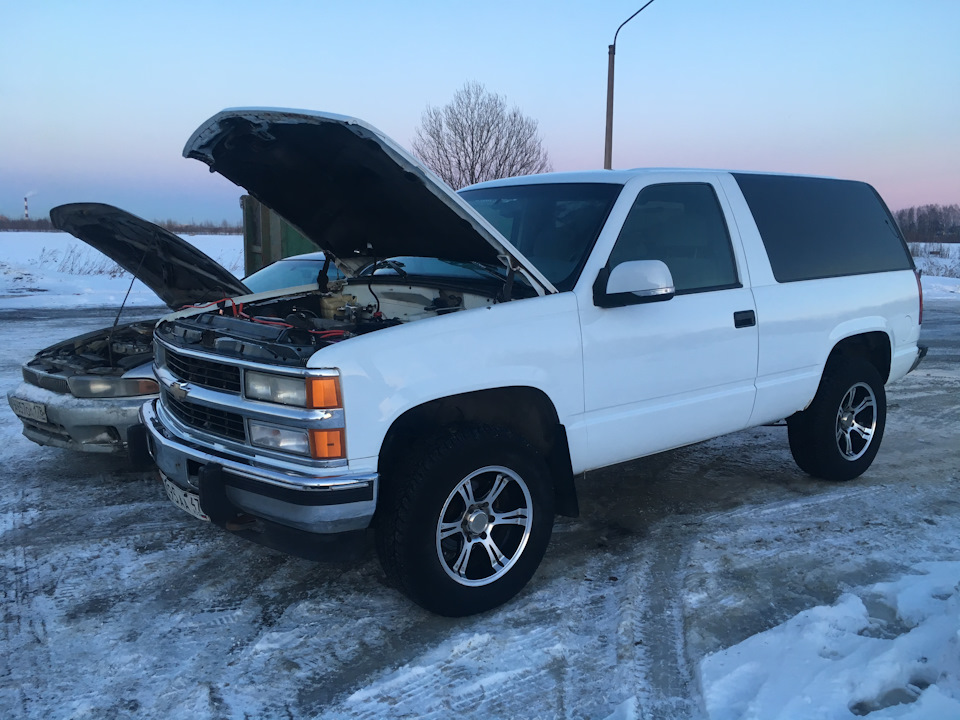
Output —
(397, 267)
(488, 269)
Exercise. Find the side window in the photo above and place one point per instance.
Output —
(820, 228)
(682, 225)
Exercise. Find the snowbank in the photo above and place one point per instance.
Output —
(53, 270)
(941, 259)
(892, 651)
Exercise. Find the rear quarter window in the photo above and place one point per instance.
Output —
(819, 228)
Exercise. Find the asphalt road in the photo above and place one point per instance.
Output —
(116, 604)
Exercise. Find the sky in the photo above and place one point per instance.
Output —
(98, 98)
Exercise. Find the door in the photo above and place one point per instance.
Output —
(663, 374)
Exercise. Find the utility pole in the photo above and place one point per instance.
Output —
(612, 51)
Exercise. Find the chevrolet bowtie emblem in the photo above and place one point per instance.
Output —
(179, 390)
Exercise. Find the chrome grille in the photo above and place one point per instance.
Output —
(203, 372)
(55, 383)
(211, 420)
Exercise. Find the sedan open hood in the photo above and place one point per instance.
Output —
(349, 188)
(167, 264)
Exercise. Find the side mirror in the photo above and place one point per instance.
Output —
(632, 283)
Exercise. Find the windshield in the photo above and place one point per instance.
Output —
(433, 267)
(289, 272)
(553, 225)
(475, 276)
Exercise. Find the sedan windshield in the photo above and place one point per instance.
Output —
(434, 267)
(553, 225)
(290, 272)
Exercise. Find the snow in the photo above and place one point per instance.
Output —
(941, 259)
(940, 287)
(581, 641)
(891, 651)
(56, 270)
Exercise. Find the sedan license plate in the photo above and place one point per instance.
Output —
(185, 500)
(29, 410)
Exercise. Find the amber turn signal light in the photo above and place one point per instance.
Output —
(327, 444)
(323, 392)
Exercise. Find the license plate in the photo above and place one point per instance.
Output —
(29, 410)
(185, 500)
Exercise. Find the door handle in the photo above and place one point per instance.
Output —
(744, 319)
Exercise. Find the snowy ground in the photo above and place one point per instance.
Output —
(716, 581)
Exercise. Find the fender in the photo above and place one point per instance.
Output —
(386, 373)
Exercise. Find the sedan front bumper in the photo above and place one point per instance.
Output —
(97, 425)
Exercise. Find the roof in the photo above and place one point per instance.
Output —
(618, 177)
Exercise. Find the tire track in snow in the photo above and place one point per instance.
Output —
(25, 634)
(666, 687)
(473, 674)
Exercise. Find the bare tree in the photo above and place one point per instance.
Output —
(930, 223)
(475, 138)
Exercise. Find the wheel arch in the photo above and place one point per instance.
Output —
(527, 411)
(874, 347)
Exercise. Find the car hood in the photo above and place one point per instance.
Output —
(349, 188)
(166, 263)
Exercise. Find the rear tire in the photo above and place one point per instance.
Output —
(463, 524)
(838, 436)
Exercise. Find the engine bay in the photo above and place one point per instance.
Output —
(291, 328)
(112, 351)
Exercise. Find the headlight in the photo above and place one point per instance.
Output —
(319, 444)
(275, 437)
(312, 392)
(111, 387)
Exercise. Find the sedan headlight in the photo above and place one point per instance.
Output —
(312, 392)
(111, 387)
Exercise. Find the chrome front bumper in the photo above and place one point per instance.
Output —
(223, 481)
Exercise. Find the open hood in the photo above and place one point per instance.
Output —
(350, 189)
(166, 263)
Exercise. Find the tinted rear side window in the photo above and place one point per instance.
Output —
(819, 228)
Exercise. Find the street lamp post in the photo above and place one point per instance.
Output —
(608, 143)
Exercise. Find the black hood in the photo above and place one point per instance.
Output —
(166, 263)
(350, 189)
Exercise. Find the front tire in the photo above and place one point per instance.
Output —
(838, 436)
(463, 524)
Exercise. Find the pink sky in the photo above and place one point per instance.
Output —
(96, 105)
